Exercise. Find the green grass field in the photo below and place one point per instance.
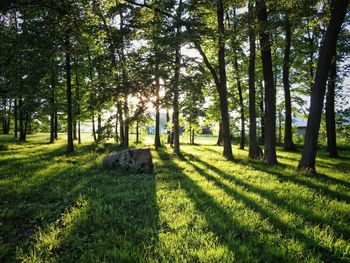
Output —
(66, 208)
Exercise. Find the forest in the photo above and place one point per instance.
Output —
(244, 106)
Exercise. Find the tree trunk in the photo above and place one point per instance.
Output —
(22, 136)
(157, 134)
(190, 130)
(222, 89)
(167, 127)
(56, 122)
(288, 134)
(70, 145)
(330, 114)
(77, 94)
(254, 149)
(338, 12)
(126, 123)
(15, 113)
(99, 126)
(176, 135)
(52, 108)
(262, 114)
(137, 131)
(75, 137)
(192, 142)
(93, 126)
(116, 127)
(219, 141)
(270, 91)
(241, 103)
(121, 123)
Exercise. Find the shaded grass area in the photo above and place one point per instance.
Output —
(67, 208)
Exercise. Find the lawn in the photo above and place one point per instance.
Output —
(66, 208)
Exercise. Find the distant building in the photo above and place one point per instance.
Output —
(207, 130)
(301, 124)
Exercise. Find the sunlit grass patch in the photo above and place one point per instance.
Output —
(201, 208)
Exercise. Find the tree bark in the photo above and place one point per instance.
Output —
(270, 91)
(222, 83)
(157, 133)
(167, 121)
(126, 122)
(22, 135)
(219, 141)
(330, 113)
(254, 149)
(137, 131)
(52, 108)
(99, 126)
(175, 138)
(56, 122)
(241, 104)
(15, 113)
(121, 123)
(93, 126)
(338, 12)
(176, 134)
(70, 145)
(116, 127)
(288, 134)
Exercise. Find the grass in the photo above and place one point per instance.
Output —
(56, 207)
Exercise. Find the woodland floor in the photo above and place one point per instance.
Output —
(66, 208)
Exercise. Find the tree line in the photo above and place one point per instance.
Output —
(65, 63)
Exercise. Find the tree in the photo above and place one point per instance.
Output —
(270, 90)
(338, 12)
(254, 149)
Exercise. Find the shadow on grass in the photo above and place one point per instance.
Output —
(119, 222)
(307, 214)
(299, 179)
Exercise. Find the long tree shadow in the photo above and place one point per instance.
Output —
(302, 180)
(286, 229)
(244, 243)
(307, 214)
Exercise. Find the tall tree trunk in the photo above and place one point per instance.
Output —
(93, 126)
(70, 145)
(77, 95)
(167, 127)
(75, 137)
(52, 108)
(222, 87)
(270, 91)
(22, 136)
(121, 123)
(330, 114)
(116, 127)
(99, 126)
(15, 113)
(157, 133)
(262, 115)
(288, 134)
(338, 12)
(126, 122)
(56, 122)
(190, 130)
(137, 131)
(192, 141)
(176, 128)
(175, 138)
(254, 149)
(241, 103)
(219, 141)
